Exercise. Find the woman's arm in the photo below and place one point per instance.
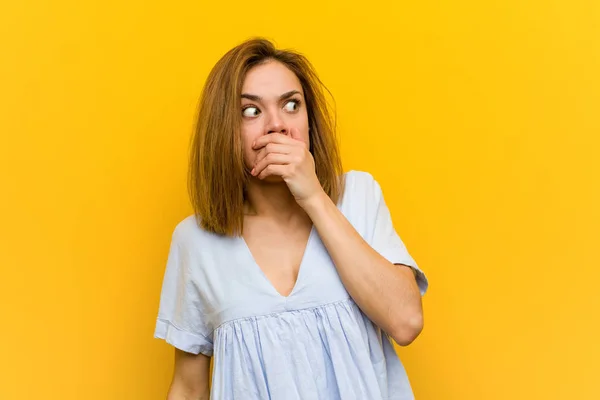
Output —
(190, 377)
(388, 294)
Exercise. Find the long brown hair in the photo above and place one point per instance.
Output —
(217, 174)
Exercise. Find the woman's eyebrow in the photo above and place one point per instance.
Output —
(284, 96)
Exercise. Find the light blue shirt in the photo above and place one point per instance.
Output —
(315, 343)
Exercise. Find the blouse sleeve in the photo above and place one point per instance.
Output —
(180, 317)
(385, 240)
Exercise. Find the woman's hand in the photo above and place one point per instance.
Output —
(289, 158)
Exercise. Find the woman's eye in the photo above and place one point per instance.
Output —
(250, 112)
(291, 105)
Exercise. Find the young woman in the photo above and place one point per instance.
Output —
(289, 273)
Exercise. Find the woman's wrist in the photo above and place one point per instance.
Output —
(316, 204)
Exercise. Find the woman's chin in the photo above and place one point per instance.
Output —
(272, 179)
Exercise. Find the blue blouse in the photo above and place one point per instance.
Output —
(315, 343)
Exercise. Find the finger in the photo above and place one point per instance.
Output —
(277, 138)
(295, 134)
(272, 148)
(271, 158)
(273, 169)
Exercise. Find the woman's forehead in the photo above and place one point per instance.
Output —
(271, 79)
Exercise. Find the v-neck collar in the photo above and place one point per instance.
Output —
(300, 268)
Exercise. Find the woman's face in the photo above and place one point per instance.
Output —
(272, 102)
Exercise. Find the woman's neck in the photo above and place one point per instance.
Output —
(272, 200)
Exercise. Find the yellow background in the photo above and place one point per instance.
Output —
(481, 120)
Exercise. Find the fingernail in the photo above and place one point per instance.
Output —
(253, 170)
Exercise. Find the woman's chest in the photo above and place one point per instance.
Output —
(279, 255)
(231, 284)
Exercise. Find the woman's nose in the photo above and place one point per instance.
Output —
(276, 124)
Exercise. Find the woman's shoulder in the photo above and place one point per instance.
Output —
(355, 177)
(188, 232)
(360, 185)
(187, 227)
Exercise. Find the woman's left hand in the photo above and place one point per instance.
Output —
(289, 158)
